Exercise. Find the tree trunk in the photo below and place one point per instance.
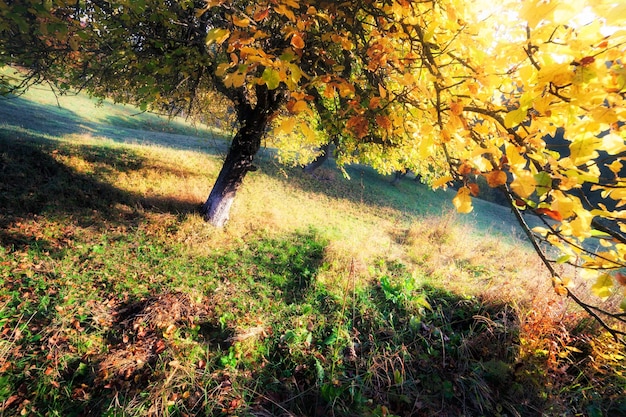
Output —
(243, 148)
(397, 176)
(319, 161)
(216, 209)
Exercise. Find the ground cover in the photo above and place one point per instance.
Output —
(323, 296)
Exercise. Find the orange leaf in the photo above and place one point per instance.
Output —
(159, 346)
(11, 400)
(554, 215)
(520, 203)
(261, 14)
(329, 91)
(587, 60)
(384, 122)
(496, 178)
(297, 41)
(358, 125)
(465, 169)
(374, 103)
(456, 107)
(474, 189)
(346, 89)
(297, 106)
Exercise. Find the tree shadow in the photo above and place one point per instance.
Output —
(143, 335)
(459, 357)
(21, 115)
(164, 133)
(35, 183)
(288, 264)
(392, 349)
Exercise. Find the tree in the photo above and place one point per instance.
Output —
(441, 87)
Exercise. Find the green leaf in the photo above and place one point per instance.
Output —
(563, 258)
(217, 35)
(330, 340)
(544, 183)
(271, 78)
(287, 56)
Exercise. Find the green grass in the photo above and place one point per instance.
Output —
(322, 297)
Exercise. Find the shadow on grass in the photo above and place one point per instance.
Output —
(366, 185)
(19, 112)
(20, 115)
(252, 331)
(35, 183)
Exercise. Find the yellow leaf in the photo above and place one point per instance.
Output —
(581, 225)
(222, 68)
(603, 285)
(524, 184)
(285, 11)
(564, 203)
(217, 35)
(242, 23)
(463, 201)
(235, 79)
(615, 167)
(515, 117)
(613, 143)
(515, 159)
(441, 182)
(556, 73)
(381, 91)
(583, 150)
(286, 126)
(308, 132)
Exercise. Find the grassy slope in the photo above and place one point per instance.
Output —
(322, 296)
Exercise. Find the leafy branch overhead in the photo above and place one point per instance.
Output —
(530, 95)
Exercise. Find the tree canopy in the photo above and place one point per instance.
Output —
(530, 95)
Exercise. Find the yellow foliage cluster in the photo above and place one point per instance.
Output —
(459, 89)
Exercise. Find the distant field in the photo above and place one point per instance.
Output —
(322, 297)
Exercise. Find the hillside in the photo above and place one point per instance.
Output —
(323, 295)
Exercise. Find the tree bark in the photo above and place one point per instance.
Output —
(319, 161)
(245, 145)
(216, 209)
(397, 176)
